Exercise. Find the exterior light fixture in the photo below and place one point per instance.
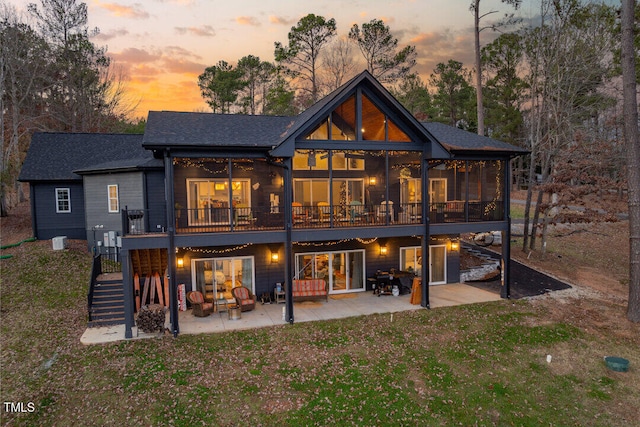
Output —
(180, 262)
(275, 257)
(455, 245)
(373, 181)
(383, 250)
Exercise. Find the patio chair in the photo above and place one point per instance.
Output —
(324, 211)
(356, 211)
(200, 307)
(300, 213)
(244, 298)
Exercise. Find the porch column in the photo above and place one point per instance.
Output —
(426, 235)
(505, 291)
(288, 244)
(171, 249)
(128, 293)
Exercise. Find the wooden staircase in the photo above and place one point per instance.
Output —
(107, 306)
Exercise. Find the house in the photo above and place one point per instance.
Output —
(346, 192)
(79, 182)
(351, 187)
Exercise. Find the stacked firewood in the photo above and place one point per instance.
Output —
(151, 318)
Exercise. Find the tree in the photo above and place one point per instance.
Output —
(255, 74)
(569, 60)
(632, 142)
(280, 98)
(220, 85)
(338, 63)
(414, 96)
(453, 97)
(475, 8)
(503, 60)
(380, 50)
(306, 41)
(24, 68)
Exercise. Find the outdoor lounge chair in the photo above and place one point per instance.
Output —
(200, 307)
(244, 298)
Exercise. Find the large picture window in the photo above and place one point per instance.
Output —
(63, 200)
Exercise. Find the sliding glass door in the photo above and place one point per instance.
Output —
(343, 271)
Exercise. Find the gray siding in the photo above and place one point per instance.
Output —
(130, 194)
(155, 201)
(48, 222)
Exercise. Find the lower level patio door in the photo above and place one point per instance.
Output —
(438, 265)
(216, 277)
(343, 271)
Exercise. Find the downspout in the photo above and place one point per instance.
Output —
(505, 290)
(171, 251)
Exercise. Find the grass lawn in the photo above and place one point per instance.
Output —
(482, 364)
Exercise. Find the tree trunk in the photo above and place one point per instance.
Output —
(479, 101)
(632, 142)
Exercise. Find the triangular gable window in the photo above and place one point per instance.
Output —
(341, 124)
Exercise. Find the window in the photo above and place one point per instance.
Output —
(340, 125)
(63, 200)
(114, 204)
(411, 259)
(216, 277)
(209, 199)
(343, 271)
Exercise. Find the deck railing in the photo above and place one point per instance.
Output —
(244, 218)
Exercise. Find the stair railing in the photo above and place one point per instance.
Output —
(96, 270)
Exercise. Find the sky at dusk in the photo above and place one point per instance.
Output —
(163, 45)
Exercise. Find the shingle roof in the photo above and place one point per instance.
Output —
(55, 156)
(459, 140)
(207, 130)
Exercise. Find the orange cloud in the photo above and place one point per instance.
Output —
(202, 31)
(248, 20)
(281, 20)
(103, 37)
(122, 11)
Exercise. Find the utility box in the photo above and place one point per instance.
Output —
(110, 239)
(59, 243)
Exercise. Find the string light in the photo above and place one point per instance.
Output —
(217, 251)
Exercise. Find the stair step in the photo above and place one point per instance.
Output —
(107, 309)
(107, 299)
(107, 322)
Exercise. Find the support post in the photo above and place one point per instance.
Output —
(505, 291)
(289, 262)
(171, 249)
(128, 294)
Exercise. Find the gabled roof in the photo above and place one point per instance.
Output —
(58, 156)
(277, 134)
(323, 107)
(459, 141)
(207, 130)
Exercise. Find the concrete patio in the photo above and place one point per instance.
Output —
(357, 304)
